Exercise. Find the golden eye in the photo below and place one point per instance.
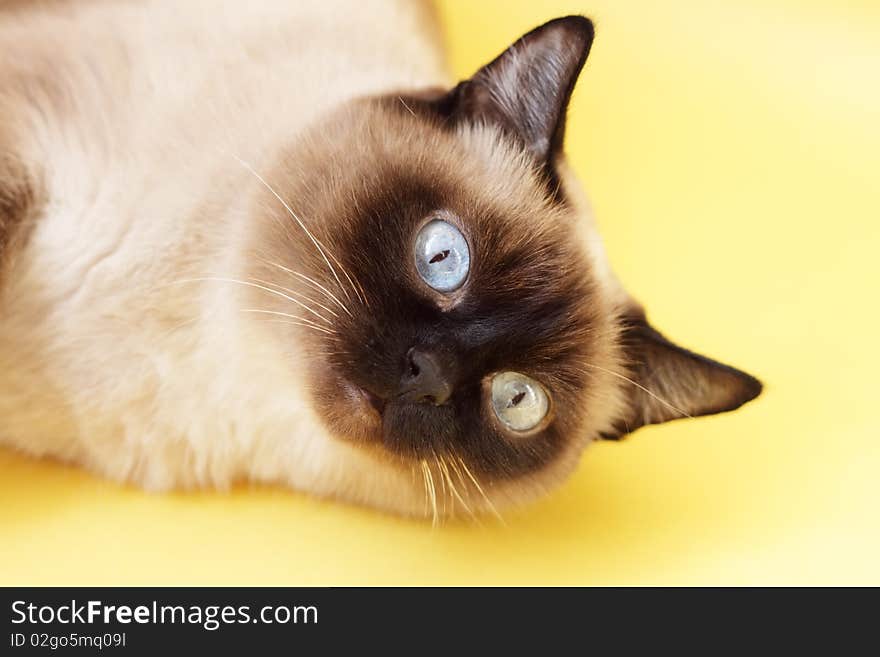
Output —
(519, 401)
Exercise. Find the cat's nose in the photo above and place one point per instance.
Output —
(425, 378)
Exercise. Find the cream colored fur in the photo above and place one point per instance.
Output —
(111, 354)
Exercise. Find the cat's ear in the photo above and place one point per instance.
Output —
(672, 382)
(527, 88)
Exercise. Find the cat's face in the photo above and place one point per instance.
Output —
(428, 258)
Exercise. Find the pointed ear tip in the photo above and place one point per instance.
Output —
(757, 387)
(580, 26)
(751, 387)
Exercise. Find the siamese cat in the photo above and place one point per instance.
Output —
(274, 242)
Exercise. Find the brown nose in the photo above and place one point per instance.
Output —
(425, 379)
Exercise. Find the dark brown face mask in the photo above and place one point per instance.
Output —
(510, 360)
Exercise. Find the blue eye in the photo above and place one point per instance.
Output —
(442, 256)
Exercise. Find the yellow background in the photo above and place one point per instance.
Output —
(731, 150)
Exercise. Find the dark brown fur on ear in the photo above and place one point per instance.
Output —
(673, 382)
(525, 90)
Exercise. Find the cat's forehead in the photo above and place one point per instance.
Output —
(375, 156)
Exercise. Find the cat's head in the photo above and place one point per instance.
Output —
(431, 256)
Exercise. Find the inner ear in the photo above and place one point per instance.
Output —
(670, 382)
(526, 89)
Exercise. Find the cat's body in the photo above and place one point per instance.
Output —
(139, 141)
(133, 115)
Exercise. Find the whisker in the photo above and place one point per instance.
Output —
(299, 294)
(480, 489)
(433, 490)
(447, 466)
(450, 464)
(282, 314)
(298, 221)
(408, 108)
(362, 299)
(642, 388)
(260, 287)
(314, 284)
(442, 479)
(425, 482)
(311, 326)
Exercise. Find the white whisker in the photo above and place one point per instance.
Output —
(442, 479)
(642, 388)
(299, 294)
(408, 108)
(362, 299)
(480, 489)
(315, 284)
(446, 467)
(451, 465)
(298, 221)
(304, 325)
(430, 479)
(264, 288)
(281, 314)
(425, 483)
